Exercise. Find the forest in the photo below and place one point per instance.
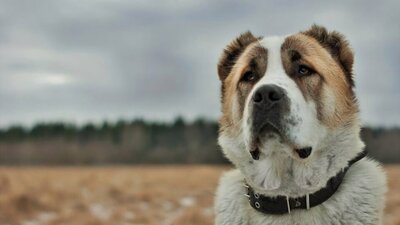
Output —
(142, 142)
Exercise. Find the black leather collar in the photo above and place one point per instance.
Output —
(281, 204)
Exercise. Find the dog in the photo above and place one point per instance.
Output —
(290, 125)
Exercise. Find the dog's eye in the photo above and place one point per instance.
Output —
(249, 76)
(305, 71)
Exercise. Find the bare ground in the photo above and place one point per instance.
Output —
(171, 195)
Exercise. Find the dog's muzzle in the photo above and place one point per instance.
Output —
(269, 105)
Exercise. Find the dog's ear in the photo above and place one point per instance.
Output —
(337, 46)
(232, 52)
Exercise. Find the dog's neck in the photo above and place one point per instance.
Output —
(294, 177)
(280, 205)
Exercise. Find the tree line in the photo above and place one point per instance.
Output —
(141, 142)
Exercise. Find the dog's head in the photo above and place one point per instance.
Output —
(286, 100)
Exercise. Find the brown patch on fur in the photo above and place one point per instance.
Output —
(330, 79)
(235, 92)
(337, 45)
(232, 52)
(257, 64)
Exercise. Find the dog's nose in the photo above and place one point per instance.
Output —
(268, 95)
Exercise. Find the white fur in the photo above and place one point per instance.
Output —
(279, 171)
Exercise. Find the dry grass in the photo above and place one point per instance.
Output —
(179, 195)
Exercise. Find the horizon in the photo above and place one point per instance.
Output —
(100, 123)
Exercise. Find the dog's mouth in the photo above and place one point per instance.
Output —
(301, 152)
(270, 130)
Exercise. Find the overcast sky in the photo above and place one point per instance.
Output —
(84, 61)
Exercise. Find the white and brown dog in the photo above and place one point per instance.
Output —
(291, 126)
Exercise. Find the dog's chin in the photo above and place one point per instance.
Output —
(267, 133)
(270, 171)
(274, 141)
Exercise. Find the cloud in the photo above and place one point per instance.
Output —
(141, 59)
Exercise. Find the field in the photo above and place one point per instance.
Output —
(172, 195)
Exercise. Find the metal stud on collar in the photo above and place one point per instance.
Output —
(257, 205)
